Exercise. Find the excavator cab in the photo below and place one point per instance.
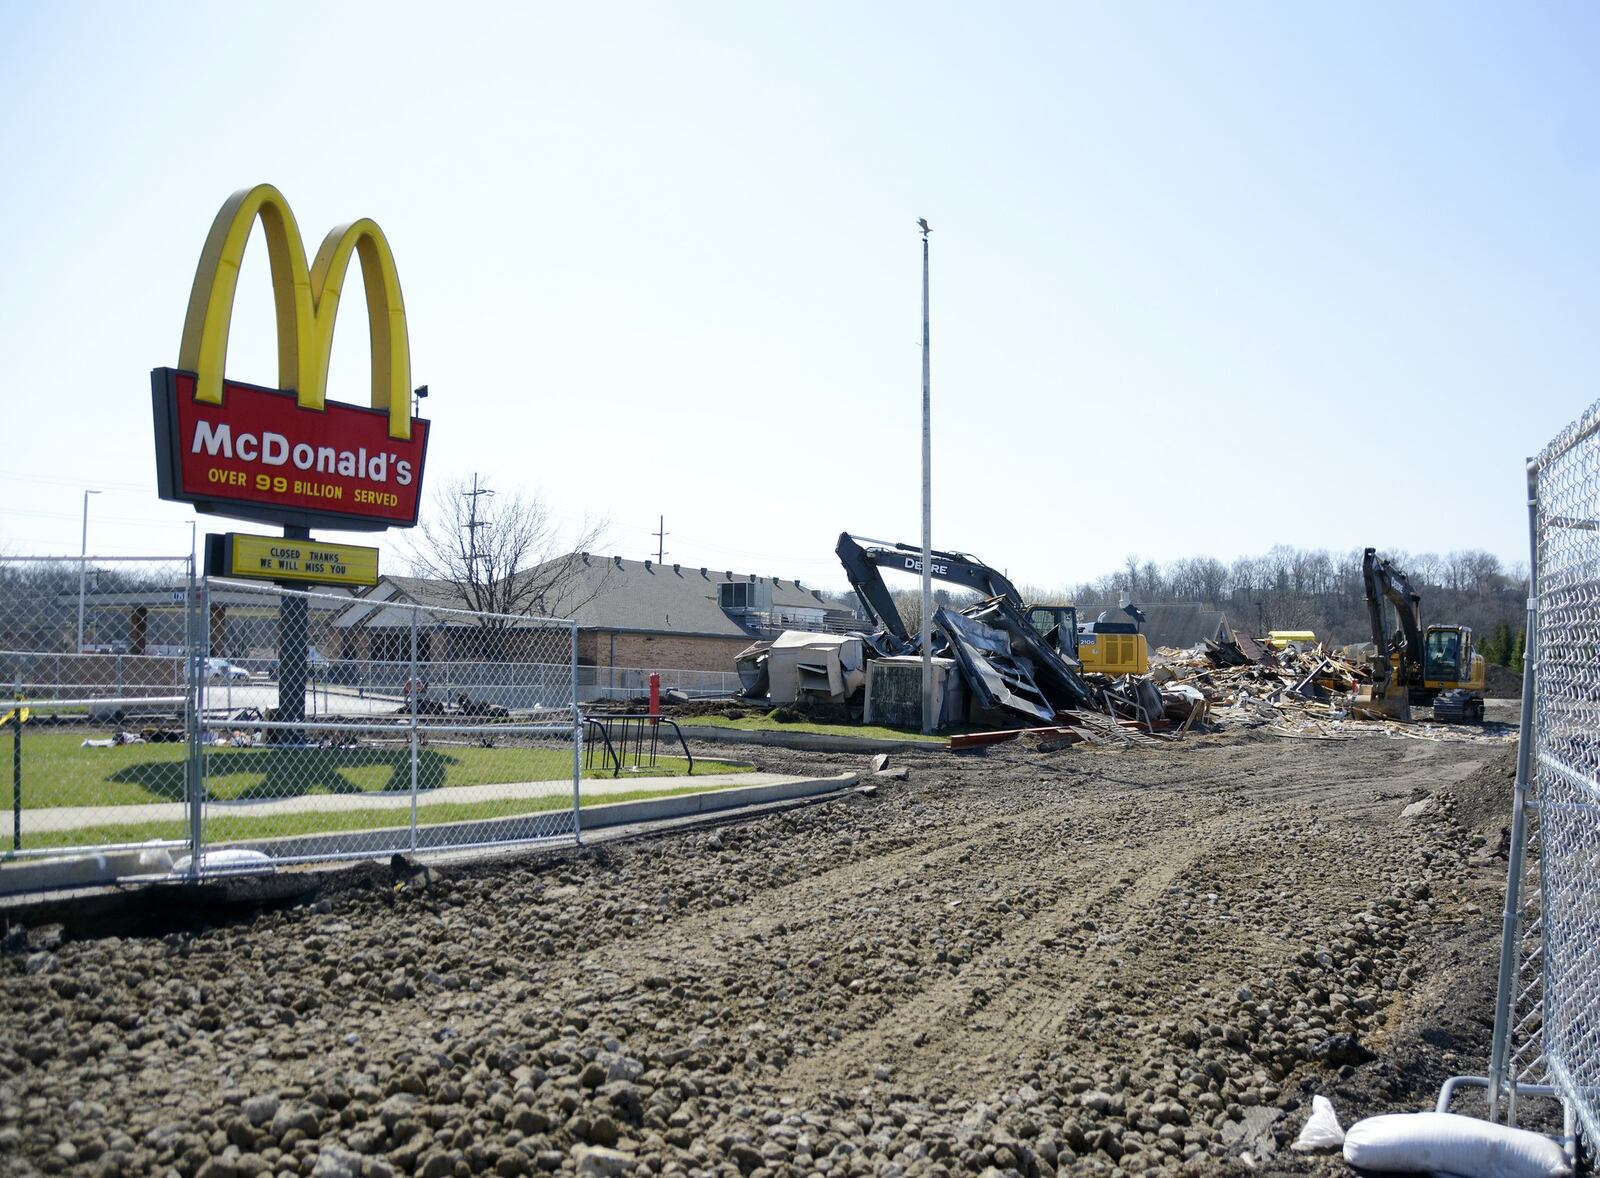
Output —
(1441, 657)
(1448, 660)
(1101, 648)
(1057, 625)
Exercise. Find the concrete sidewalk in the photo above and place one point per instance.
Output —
(55, 818)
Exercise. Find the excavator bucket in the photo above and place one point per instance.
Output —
(1376, 701)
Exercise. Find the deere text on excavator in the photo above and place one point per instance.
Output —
(1437, 666)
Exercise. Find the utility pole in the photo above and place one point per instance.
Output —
(83, 558)
(473, 524)
(661, 539)
(929, 720)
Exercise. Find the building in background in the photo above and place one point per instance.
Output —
(630, 614)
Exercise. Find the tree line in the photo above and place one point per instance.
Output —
(1295, 589)
(1290, 588)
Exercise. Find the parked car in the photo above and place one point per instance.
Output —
(223, 669)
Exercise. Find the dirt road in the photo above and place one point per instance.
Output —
(1084, 961)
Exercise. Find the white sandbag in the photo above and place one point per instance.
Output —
(1427, 1142)
(1322, 1129)
(233, 862)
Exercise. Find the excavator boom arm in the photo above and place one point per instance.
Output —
(1386, 581)
(864, 560)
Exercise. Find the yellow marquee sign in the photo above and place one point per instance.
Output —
(310, 561)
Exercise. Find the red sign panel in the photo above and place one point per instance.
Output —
(259, 455)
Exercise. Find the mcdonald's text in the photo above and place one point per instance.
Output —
(260, 454)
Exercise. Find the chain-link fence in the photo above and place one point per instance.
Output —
(1566, 726)
(328, 732)
(97, 675)
(1547, 1010)
(198, 726)
(204, 726)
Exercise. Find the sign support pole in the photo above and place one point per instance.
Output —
(293, 642)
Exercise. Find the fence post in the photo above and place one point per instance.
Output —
(16, 768)
(199, 645)
(577, 737)
(412, 691)
(1511, 918)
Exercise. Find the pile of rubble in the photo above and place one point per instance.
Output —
(1304, 693)
(994, 671)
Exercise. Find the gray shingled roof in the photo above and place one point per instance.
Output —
(607, 593)
(625, 595)
(368, 610)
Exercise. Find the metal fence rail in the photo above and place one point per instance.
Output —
(623, 683)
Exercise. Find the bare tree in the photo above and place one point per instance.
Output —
(504, 553)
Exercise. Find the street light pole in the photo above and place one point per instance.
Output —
(929, 720)
(83, 558)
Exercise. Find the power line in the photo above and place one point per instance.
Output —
(17, 477)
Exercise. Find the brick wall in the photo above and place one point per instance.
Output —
(659, 651)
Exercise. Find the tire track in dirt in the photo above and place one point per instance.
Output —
(992, 1010)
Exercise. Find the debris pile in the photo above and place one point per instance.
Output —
(1307, 693)
(1005, 662)
(1005, 668)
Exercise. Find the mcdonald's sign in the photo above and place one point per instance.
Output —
(289, 455)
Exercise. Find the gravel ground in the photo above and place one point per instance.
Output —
(1018, 962)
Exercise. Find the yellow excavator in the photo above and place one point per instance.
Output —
(1437, 666)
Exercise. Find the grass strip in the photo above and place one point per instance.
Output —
(223, 829)
(57, 771)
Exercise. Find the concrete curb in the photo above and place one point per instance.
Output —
(811, 741)
(79, 871)
(686, 805)
(462, 836)
(92, 870)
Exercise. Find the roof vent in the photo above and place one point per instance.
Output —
(728, 573)
(617, 560)
(752, 578)
(703, 572)
(677, 568)
(585, 556)
(647, 564)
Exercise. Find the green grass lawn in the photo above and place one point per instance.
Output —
(767, 724)
(226, 829)
(56, 771)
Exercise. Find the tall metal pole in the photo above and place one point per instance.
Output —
(929, 721)
(83, 558)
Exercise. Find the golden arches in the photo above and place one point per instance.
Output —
(306, 303)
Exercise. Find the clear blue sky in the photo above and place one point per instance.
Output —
(1206, 278)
